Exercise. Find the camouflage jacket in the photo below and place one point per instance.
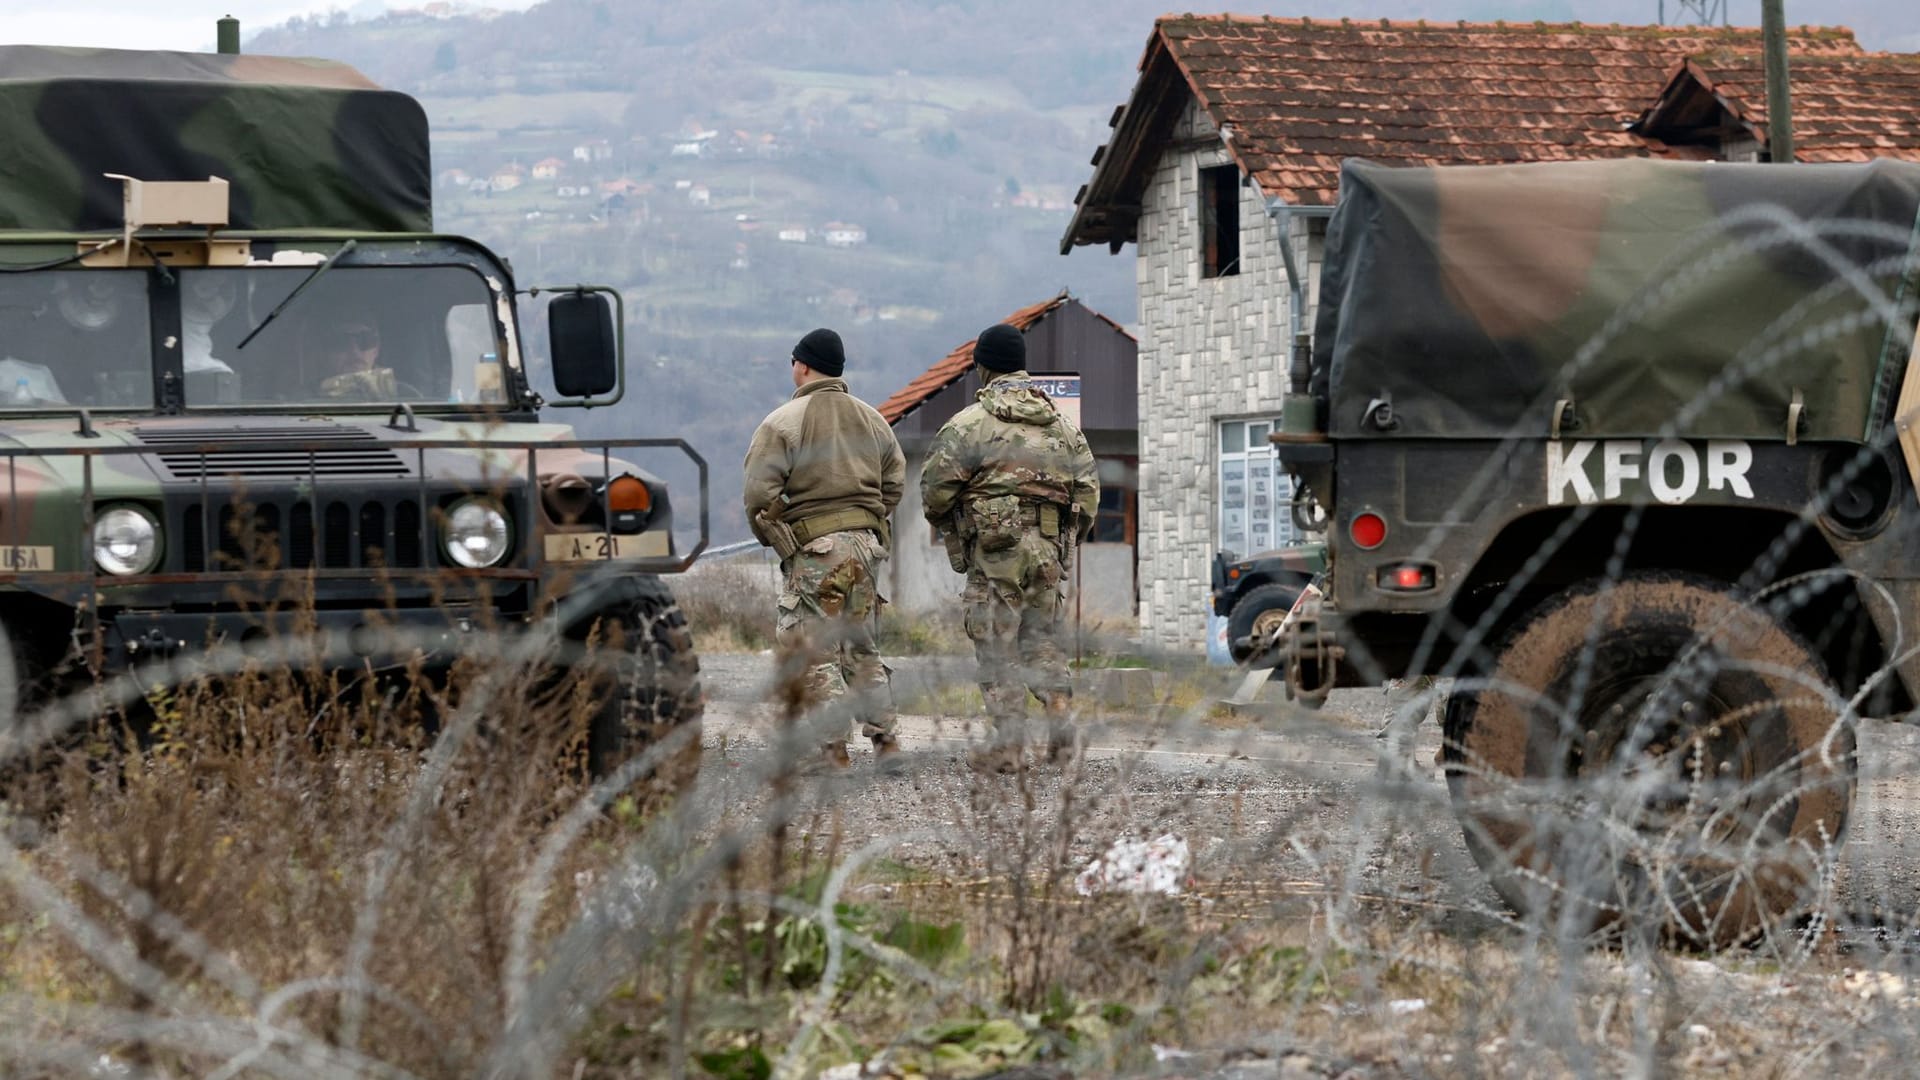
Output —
(1010, 441)
(822, 451)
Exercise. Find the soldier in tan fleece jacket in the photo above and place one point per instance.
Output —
(824, 473)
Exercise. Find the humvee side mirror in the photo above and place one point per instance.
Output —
(585, 345)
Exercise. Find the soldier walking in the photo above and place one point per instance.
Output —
(824, 473)
(1011, 484)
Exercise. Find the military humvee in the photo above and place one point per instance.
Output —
(248, 389)
(1255, 593)
(1619, 447)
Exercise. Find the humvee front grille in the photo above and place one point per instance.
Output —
(280, 536)
(334, 455)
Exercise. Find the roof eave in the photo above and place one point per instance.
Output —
(1107, 207)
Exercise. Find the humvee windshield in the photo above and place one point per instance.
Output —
(419, 334)
(375, 335)
(69, 338)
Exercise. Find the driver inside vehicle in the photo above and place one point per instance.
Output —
(345, 361)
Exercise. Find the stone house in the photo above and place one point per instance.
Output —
(1063, 336)
(1221, 170)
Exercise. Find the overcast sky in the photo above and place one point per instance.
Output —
(188, 24)
(164, 24)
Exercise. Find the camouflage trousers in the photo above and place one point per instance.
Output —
(829, 612)
(1013, 605)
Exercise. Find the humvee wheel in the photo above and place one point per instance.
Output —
(1655, 753)
(1258, 614)
(647, 681)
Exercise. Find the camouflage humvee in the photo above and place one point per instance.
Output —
(1255, 593)
(247, 389)
(1618, 447)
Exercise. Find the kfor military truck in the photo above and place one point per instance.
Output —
(1622, 449)
(246, 388)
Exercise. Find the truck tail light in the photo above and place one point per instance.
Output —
(1368, 530)
(1405, 577)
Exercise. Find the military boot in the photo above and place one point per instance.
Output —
(1063, 745)
(886, 753)
(1005, 759)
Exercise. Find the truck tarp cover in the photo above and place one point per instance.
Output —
(303, 143)
(1659, 297)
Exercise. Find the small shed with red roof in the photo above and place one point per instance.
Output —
(1063, 336)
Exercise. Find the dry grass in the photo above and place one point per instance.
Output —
(290, 877)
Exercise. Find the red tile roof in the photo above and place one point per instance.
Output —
(1845, 108)
(1293, 97)
(955, 365)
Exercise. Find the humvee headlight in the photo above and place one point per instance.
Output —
(126, 540)
(477, 534)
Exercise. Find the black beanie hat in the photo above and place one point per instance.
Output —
(1001, 348)
(821, 351)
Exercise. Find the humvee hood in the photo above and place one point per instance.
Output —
(1017, 401)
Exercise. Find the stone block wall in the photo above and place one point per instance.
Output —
(1210, 350)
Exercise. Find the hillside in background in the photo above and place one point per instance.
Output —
(743, 172)
(746, 172)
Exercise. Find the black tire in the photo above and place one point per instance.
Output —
(1655, 754)
(1261, 607)
(647, 680)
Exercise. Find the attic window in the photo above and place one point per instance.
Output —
(1219, 221)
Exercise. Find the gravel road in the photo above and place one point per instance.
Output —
(1274, 794)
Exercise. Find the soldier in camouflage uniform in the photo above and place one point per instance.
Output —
(1011, 483)
(824, 473)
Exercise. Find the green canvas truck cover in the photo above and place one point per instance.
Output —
(305, 144)
(1658, 297)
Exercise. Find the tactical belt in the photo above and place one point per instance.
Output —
(1044, 514)
(807, 530)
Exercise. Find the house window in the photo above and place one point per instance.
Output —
(1119, 500)
(1219, 221)
(1255, 494)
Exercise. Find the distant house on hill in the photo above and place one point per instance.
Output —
(593, 150)
(1223, 166)
(1062, 335)
(548, 168)
(695, 144)
(699, 195)
(793, 234)
(509, 177)
(842, 235)
(453, 178)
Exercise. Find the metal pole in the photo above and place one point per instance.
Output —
(1773, 31)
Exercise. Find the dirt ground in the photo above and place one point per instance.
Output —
(1317, 815)
(1206, 777)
